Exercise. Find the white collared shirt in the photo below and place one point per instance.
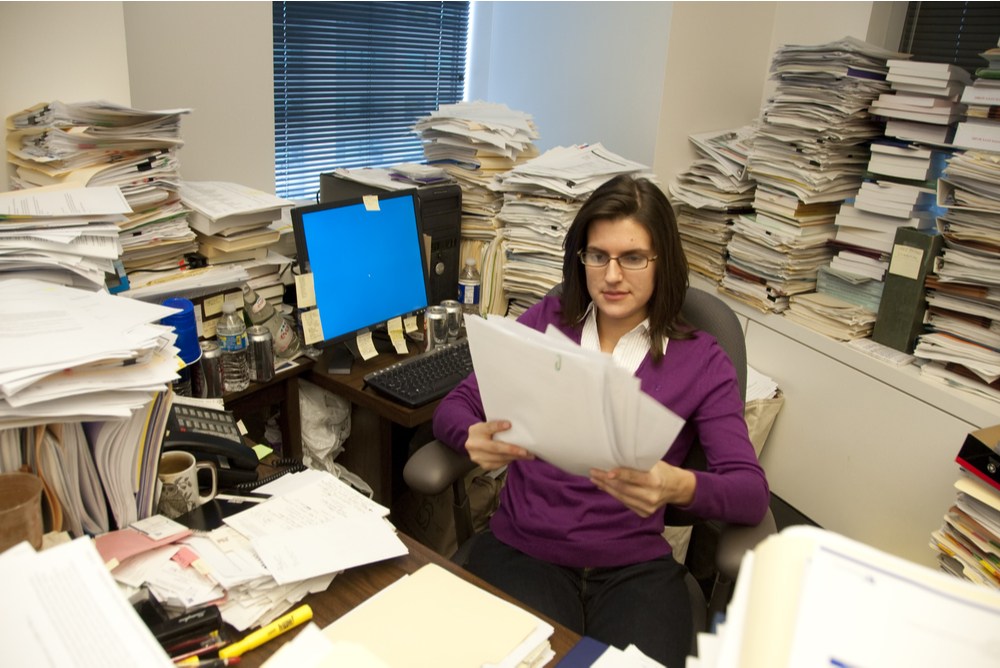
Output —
(631, 348)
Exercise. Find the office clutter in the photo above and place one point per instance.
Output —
(711, 195)
(90, 144)
(810, 597)
(474, 142)
(967, 541)
(276, 550)
(960, 341)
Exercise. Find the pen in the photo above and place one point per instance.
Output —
(209, 663)
(298, 616)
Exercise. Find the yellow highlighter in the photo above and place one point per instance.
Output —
(297, 616)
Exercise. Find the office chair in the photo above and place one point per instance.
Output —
(434, 467)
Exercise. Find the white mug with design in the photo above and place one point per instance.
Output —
(179, 492)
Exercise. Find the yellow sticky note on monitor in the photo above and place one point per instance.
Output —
(305, 291)
(312, 327)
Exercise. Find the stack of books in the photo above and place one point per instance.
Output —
(99, 143)
(709, 197)
(923, 106)
(980, 129)
(810, 148)
(968, 542)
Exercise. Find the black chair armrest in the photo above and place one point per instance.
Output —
(736, 539)
(435, 467)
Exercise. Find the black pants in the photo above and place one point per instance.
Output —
(643, 604)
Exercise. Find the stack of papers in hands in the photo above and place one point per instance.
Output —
(572, 407)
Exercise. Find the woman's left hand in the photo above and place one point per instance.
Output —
(646, 492)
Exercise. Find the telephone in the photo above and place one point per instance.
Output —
(212, 435)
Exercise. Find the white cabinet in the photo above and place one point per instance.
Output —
(860, 447)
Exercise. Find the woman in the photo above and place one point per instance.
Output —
(588, 551)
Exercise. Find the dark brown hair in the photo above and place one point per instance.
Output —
(640, 199)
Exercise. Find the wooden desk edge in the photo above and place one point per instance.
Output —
(356, 585)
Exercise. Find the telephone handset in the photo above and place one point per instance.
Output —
(211, 435)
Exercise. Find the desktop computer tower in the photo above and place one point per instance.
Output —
(440, 216)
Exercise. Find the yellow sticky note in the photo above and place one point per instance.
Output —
(410, 324)
(906, 261)
(213, 305)
(312, 327)
(305, 292)
(395, 327)
(371, 202)
(366, 345)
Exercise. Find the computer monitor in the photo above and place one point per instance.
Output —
(366, 257)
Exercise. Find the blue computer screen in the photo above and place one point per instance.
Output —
(367, 261)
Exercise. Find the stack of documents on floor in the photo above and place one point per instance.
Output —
(99, 143)
(968, 542)
(923, 105)
(809, 597)
(74, 355)
(541, 198)
(69, 612)
(234, 223)
(435, 619)
(810, 147)
(69, 237)
(572, 407)
(262, 560)
(711, 193)
(981, 128)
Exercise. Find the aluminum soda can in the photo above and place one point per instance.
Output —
(206, 374)
(261, 353)
(435, 327)
(455, 321)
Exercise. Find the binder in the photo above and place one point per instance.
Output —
(901, 309)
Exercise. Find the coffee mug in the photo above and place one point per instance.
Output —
(179, 474)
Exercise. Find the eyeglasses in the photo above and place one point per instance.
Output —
(629, 261)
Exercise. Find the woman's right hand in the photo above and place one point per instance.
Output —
(488, 452)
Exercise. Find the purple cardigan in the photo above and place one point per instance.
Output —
(565, 519)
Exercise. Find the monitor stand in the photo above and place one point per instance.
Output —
(339, 358)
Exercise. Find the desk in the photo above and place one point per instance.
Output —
(356, 585)
(374, 422)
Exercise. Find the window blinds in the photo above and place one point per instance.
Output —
(351, 78)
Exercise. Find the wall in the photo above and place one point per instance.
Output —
(67, 51)
(216, 59)
(587, 72)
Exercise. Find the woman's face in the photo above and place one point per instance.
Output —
(621, 296)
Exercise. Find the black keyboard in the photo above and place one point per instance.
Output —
(424, 378)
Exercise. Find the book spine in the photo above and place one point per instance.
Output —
(901, 309)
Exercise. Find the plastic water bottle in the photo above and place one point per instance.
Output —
(260, 312)
(232, 335)
(468, 288)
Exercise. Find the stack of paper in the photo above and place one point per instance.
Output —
(541, 198)
(714, 190)
(266, 558)
(580, 410)
(810, 147)
(232, 221)
(829, 315)
(887, 611)
(78, 355)
(66, 236)
(967, 542)
(437, 619)
(69, 611)
(91, 144)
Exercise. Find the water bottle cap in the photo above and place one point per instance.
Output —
(228, 307)
(469, 261)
